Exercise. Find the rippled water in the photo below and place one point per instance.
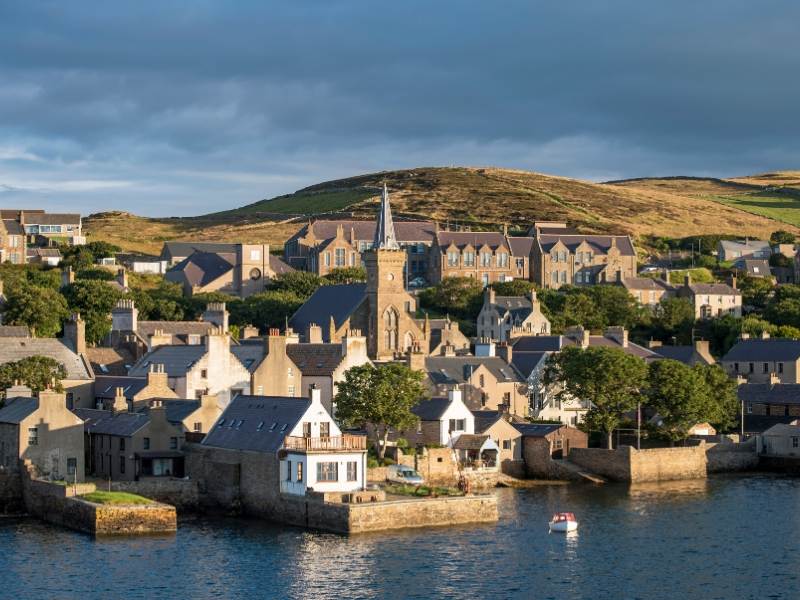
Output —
(724, 538)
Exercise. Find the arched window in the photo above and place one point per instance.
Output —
(390, 319)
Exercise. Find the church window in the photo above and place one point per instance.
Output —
(390, 322)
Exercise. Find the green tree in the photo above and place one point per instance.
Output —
(381, 396)
(723, 409)
(780, 260)
(515, 287)
(459, 296)
(94, 300)
(36, 372)
(266, 309)
(609, 378)
(756, 291)
(674, 317)
(346, 275)
(781, 237)
(617, 306)
(581, 309)
(680, 396)
(42, 309)
(300, 283)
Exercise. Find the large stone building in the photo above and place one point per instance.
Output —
(12, 242)
(763, 360)
(712, 299)
(570, 258)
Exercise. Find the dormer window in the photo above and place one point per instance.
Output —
(502, 260)
(486, 259)
(452, 258)
(469, 258)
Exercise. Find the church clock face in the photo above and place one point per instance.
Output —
(390, 276)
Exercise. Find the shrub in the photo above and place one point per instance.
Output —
(372, 462)
(402, 443)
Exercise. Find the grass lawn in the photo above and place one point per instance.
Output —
(699, 275)
(422, 491)
(116, 498)
(784, 208)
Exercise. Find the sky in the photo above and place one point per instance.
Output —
(188, 107)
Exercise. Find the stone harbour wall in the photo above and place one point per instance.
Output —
(129, 520)
(430, 512)
(183, 494)
(612, 464)
(729, 457)
(11, 501)
(436, 465)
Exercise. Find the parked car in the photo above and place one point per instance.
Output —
(403, 474)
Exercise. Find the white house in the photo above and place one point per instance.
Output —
(311, 452)
(441, 420)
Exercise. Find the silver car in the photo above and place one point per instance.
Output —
(403, 474)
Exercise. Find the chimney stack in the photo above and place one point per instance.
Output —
(618, 334)
(217, 314)
(687, 279)
(454, 394)
(314, 334)
(122, 278)
(159, 338)
(579, 335)
(124, 316)
(315, 394)
(75, 333)
(415, 358)
(505, 351)
(485, 347)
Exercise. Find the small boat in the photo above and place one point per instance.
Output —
(563, 522)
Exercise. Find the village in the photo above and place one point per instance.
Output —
(373, 405)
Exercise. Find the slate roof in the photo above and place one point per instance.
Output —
(484, 419)
(526, 362)
(257, 423)
(340, 301)
(769, 350)
(13, 349)
(106, 387)
(537, 429)
(431, 409)
(476, 239)
(470, 441)
(599, 243)
(685, 354)
(177, 360)
(52, 218)
(315, 359)
(278, 266)
(173, 250)
(458, 369)
(175, 328)
(520, 307)
(634, 349)
(754, 267)
(713, 289)
(43, 252)
(405, 231)
(783, 430)
(13, 227)
(645, 284)
(745, 247)
(109, 361)
(178, 410)
(16, 409)
(14, 331)
(521, 246)
(105, 422)
(538, 343)
(201, 268)
(249, 354)
(765, 393)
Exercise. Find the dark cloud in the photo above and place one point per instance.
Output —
(175, 107)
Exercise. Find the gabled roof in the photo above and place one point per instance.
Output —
(21, 331)
(538, 343)
(13, 227)
(106, 387)
(765, 393)
(476, 239)
(110, 361)
(15, 410)
(13, 349)
(315, 359)
(173, 250)
(249, 354)
(278, 266)
(520, 307)
(769, 350)
(174, 328)
(713, 289)
(599, 243)
(685, 354)
(521, 246)
(257, 423)
(201, 268)
(431, 409)
(783, 430)
(106, 422)
(52, 218)
(744, 245)
(178, 410)
(526, 362)
(537, 429)
(471, 441)
(646, 284)
(339, 301)
(484, 419)
(458, 369)
(755, 267)
(406, 231)
(177, 360)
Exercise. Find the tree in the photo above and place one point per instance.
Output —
(724, 406)
(515, 287)
(756, 291)
(581, 309)
(94, 300)
(680, 396)
(381, 396)
(617, 306)
(346, 275)
(674, 317)
(609, 378)
(781, 237)
(461, 296)
(266, 309)
(41, 309)
(300, 283)
(36, 372)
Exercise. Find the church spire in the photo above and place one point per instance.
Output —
(385, 238)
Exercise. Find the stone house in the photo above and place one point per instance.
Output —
(712, 299)
(241, 270)
(541, 443)
(50, 257)
(211, 368)
(477, 452)
(574, 259)
(46, 228)
(488, 382)
(698, 353)
(730, 250)
(286, 367)
(648, 291)
(12, 242)
(41, 430)
(768, 404)
(69, 350)
(758, 268)
(323, 245)
(440, 421)
(499, 427)
(486, 256)
(126, 445)
(134, 389)
(505, 317)
(312, 452)
(763, 360)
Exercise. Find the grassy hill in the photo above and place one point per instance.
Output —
(488, 198)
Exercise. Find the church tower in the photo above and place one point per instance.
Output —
(392, 328)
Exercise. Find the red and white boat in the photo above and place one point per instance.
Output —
(563, 522)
